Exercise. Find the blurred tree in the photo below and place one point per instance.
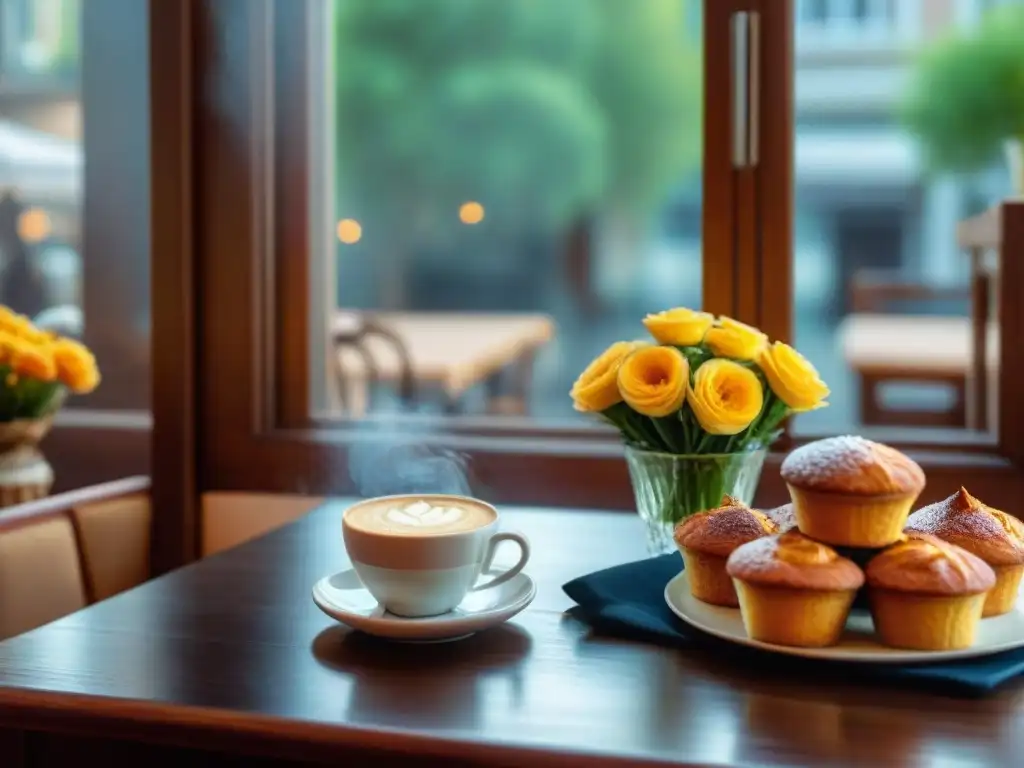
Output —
(69, 45)
(544, 111)
(967, 96)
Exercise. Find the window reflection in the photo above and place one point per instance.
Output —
(882, 289)
(40, 161)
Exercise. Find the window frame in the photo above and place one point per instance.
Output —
(252, 128)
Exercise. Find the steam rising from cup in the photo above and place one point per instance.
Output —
(407, 468)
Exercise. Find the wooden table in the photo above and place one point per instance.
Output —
(449, 352)
(230, 655)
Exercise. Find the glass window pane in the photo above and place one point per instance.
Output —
(89, 282)
(889, 159)
(40, 40)
(41, 161)
(515, 184)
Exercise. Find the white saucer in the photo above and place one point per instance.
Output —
(344, 598)
(1000, 633)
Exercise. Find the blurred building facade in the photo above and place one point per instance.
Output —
(864, 197)
(40, 149)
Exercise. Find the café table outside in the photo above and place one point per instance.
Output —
(228, 662)
(447, 353)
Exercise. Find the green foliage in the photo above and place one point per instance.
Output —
(23, 397)
(647, 79)
(542, 110)
(968, 94)
(69, 46)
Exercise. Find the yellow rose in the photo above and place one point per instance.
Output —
(8, 342)
(725, 397)
(792, 378)
(653, 380)
(680, 327)
(731, 338)
(33, 361)
(76, 366)
(597, 387)
(20, 326)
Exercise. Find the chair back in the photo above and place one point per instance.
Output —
(356, 334)
(62, 553)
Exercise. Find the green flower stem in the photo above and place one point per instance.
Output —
(695, 486)
(620, 417)
(671, 488)
(671, 433)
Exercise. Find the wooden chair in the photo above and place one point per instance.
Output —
(62, 553)
(883, 347)
(355, 334)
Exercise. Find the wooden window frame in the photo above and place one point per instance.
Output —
(253, 359)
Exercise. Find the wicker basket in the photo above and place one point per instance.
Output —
(25, 475)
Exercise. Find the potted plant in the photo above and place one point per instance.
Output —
(697, 410)
(37, 370)
(966, 99)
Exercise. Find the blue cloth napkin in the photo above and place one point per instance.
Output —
(628, 601)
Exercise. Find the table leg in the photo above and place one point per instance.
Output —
(980, 299)
(508, 391)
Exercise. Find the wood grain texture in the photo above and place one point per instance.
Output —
(718, 225)
(231, 655)
(175, 307)
(1010, 409)
(775, 172)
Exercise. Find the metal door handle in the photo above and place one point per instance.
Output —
(746, 83)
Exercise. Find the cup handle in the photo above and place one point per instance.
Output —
(492, 549)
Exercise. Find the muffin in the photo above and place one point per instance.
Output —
(793, 590)
(850, 491)
(994, 536)
(783, 516)
(927, 594)
(708, 538)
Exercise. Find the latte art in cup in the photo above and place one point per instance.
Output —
(419, 518)
(421, 555)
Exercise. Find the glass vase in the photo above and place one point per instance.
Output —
(669, 488)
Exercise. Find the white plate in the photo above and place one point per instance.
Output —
(1000, 633)
(344, 598)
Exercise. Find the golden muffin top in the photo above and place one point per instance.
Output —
(784, 517)
(994, 536)
(852, 465)
(792, 560)
(719, 531)
(927, 565)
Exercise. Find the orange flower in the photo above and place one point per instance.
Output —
(596, 390)
(653, 380)
(76, 365)
(33, 361)
(20, 326)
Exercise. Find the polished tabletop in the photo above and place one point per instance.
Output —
(233, 651)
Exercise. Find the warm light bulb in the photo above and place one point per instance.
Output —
(471, 213)
(349, 231)
(34, 225)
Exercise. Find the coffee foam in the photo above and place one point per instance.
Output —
(418, 517)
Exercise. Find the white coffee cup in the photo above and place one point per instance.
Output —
(419, 555)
